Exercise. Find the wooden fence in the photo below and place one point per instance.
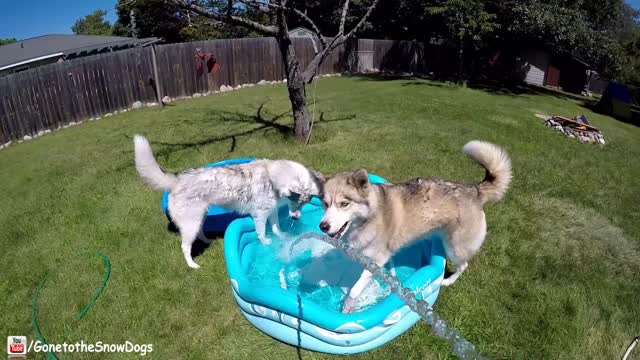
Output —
(49, 97)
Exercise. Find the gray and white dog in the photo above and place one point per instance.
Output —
(257, 188)
(381, 219)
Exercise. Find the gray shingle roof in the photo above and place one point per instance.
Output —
(68, 45)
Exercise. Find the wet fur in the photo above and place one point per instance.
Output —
(384, 218)
(257, 188)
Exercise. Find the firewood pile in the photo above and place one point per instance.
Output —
(577, 128)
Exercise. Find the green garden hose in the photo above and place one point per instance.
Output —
(83, 312)
(96, 294)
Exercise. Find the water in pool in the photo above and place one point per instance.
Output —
(314, 269)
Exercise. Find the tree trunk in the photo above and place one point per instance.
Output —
(461, 79)
(295, 86)
(297, 96)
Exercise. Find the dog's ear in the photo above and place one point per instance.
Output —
(360, 179)
(319, 176)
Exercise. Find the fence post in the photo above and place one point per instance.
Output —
(156, 78)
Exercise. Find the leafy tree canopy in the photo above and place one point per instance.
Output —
(92, 24)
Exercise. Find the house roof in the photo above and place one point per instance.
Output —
(42, 47)
(294, 32)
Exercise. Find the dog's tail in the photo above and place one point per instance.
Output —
(148, 168)
(498, 166)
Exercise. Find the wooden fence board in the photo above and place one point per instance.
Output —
(53, 95)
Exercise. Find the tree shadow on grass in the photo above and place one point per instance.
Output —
(259, 124)
(518, 89)
(493, 86)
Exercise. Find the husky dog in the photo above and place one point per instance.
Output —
(257, 188)
(380, 219)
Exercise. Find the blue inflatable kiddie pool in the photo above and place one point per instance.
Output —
(217, 218)
(291, 300)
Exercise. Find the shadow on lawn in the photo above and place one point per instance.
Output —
(492, 86)
(199, 247)
(265, 125)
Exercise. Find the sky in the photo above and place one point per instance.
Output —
(23, 19)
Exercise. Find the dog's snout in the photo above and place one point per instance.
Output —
(324, 226)
(295, 216)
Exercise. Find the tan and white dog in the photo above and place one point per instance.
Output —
(381, 219)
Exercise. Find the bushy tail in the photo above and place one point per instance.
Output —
(148, 168)
(498, 166)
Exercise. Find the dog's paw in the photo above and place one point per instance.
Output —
(349, 305)
(265, 241)
(447, 282)
(194, 266)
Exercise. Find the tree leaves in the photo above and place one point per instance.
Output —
(92, 24)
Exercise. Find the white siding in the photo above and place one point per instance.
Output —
(300, 32)
(535, 64)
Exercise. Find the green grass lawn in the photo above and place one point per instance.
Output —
(557, 278)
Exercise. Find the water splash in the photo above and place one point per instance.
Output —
(461, 347)
(316, 270)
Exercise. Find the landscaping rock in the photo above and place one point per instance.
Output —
(47, 131)
(166, 99)
(197, 95)
(223, 88)
(41, 132)
(263, 82)
(238, 87)
(107, 114)
(27, 138)
(137, 105)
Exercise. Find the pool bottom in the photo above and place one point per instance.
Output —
(316, 271)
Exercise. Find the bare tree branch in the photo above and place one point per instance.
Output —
(313, 25)
(228, 18)
(362, 21)
(343, 18)
(338, 40)
(261, 5)
(229, 7)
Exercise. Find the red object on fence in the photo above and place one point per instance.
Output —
(208, 59)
